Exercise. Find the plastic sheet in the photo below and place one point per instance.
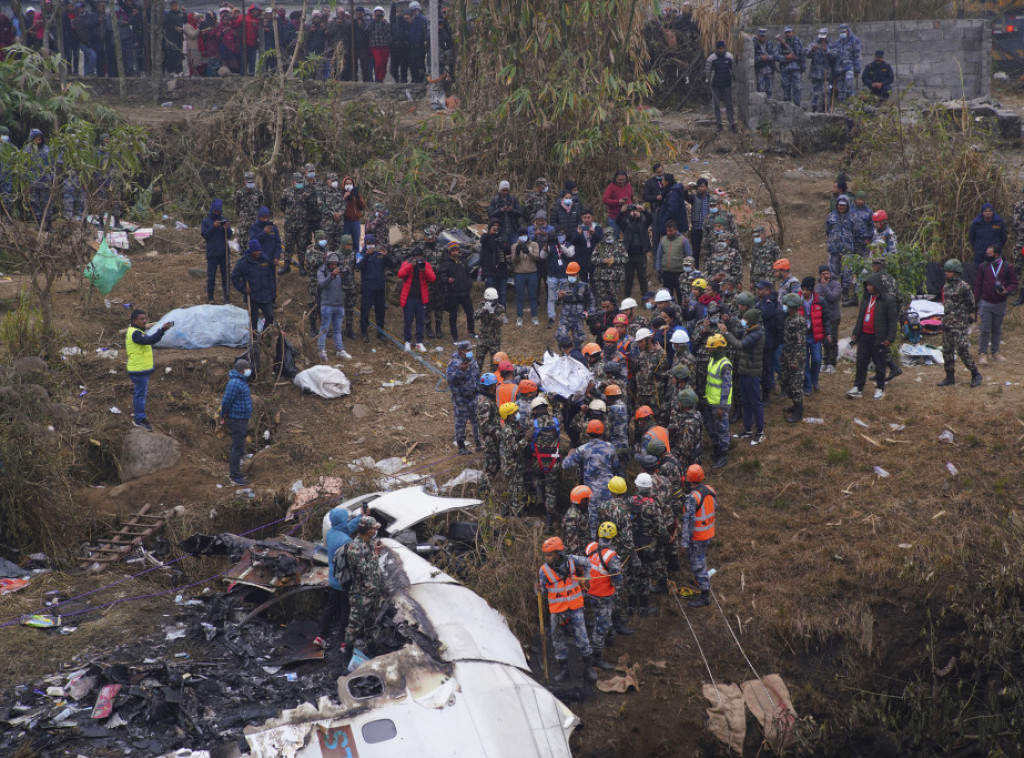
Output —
(203, 326)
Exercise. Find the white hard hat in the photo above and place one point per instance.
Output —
(642, 334)
(598, 405)
(680, 337)
(414, 6)
(627, 303)
(503, 184)
(663, 296)
(538, 402)
(644, 482)
(379, 8)
(490, 294)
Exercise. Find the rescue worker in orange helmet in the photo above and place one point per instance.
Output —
(605, 582)
(698, 530)
(559, 582)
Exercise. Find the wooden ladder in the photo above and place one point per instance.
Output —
(132, 533)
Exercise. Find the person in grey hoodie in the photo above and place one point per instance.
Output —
(829, 292)
(330, 283)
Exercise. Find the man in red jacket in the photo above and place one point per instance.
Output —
(416, 275)
(818, 331)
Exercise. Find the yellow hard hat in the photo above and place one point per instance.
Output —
(507, 409)
(699, 283)
(607, 530)
(716, 341)
(617, 485)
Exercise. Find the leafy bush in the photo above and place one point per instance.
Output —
(21, 329)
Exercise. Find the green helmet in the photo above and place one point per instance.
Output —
(346, 239)
(953, 265)
(680, 371)
(687, 399)
(319, 234)
(752, 316)
(791, 299)
(656, 447)
(745, 299)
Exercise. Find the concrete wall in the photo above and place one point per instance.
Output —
(934, 60)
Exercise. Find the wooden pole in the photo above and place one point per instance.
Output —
(156, 27)
(118, 53)
(543, 638)
(435, 57)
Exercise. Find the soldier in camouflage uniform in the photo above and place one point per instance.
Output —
(629, 308)
(686, 429)
(463, 375)
(890, 288)
(558, 580)
(669, 468)
(316, 188)
(958, 300)
(615, 510)
(536, 200)
(331, 204)
(610, 368)
(435, 255)
(296, 202)
(576, 522)
(883, 240)
(609, 275)
(543, 434)
(600, 463)
(721, 220)
(577, 301)
(794, 348)
(665, 494)
(366, 591)
(765, 55)
(649, 366)
(1017, 261)
(603, 594)
(724, 260)
(702, 331)
(819, 69)
(313, 260)
(845, 54)
(248, 201)
(617, 427)
(513, 457)
(490, 428)
(490, 315)
(764, 253)
(348, 261)
(839, 230)
(595, 410)
(863, 229)
(651, 534)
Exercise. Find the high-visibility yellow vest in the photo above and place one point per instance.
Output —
(140, 357)
(713, 385)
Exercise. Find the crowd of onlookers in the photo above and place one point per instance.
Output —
(230, 40)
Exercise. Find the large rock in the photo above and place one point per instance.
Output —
(29, 365)
(146, 452)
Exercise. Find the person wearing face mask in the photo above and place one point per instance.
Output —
(750, 351)
(846, 62)
(252, 276)
(592, 246)
(818, 333)
(577, 301)
(718, 72)
(819, 60)
(330, 278)
(525, 255)
(297, 202)
(7, 151)
(418, 38)
(566, 215)
(380, 41)
(792, 355)
(315, 256)
(556, 255)
(537, 199)
(494, 254)
(265, 231)
(994, 283)
(763, 252)
(839, 231)
(987, 229)
(235, 410)
(216, 230)
(463, 375)
(354, 207)
(505, 209)
(959, 303)
(331, 205)
(455, 275)
(248, 201)
(635, 227)
(668, 261)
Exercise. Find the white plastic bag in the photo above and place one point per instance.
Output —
(204, 326)
(325, 381)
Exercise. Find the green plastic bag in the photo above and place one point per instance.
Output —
(106, 268)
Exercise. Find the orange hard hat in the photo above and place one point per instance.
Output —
(644, 411)
(553, 545)
(612, 389)
(505, 367)
(590, 348)
(499, 357)
(595, 426)
(782, 264)
(527, 385)
(572, 268)
(695, 473)
(580, 493)
(622, 319)
(611, 334)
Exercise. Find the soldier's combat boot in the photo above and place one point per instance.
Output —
(287, 266)
(461, 444)
(644, 608)
(660, 587)
(795, 413)
(349, 333)
(700, 602)
(429, 330)
(600, 662)
(619, 624)
(563, 671)
(975, 378)
(949, 381)
(720, 459)
(588, 669)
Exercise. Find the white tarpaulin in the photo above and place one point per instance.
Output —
(325, 381)
(927, 308)
(561, 375)
(919, 355)
(204, 326)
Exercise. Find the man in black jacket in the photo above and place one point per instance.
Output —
(635, 228)
(455, 274)
(253, 276)
(873, 333)
(374, 267)
(654, 188)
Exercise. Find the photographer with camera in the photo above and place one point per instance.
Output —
(416, 275)
(455, 275)
(505, 208)
(216, 230)
(525, 255)
(494, 251)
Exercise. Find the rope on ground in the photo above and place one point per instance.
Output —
(675, 596)
(777, 714)
(401, 346)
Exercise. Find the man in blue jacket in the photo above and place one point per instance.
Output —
(216, 230)
(235, 410)
(373, 267)
(266, 232)
(419, 33)
(253, 276)
(343, 526)
(987, 229)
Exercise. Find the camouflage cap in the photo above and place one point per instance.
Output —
(687, 399)
(714, 308)
(309, 167)
(431, 231)
(332, 177)
(541, 181)
(752, 316)
(368, 522)
(250, 176)
(679, 371)
(319, 234)
(687, 261)
(757, 229)
(346, 239)
(298, 176)
(656, 446)
(378, 207)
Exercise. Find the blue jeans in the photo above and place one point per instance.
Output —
(499, 283)
(776, 363)
(753, 409)
(526, 288)
(812, 365)
(351, 228)
(141, 382)
(413, 310)
(331, 317)
(553, 282)
(90, 60)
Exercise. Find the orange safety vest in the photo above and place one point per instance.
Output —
(506, 393)
(704, 518)
(563, 594)
(600, 574)
(662, 434)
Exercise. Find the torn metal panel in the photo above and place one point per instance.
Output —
(405, 508)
